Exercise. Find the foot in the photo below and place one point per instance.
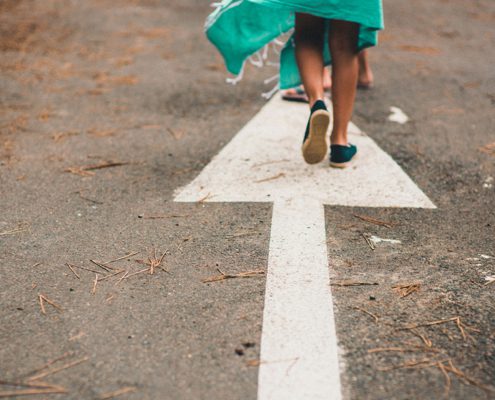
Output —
(300, 96)
(315, 143)
(341, 156)
(296, 94)
(365, 80)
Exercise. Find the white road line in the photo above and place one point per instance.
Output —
(398, 116)
(299, 345)
(263, 163)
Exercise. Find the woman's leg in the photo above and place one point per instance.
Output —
(343, 47)
(365, 79)
(309, 38)
(327, 80)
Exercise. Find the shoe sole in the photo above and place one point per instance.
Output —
(315, 147)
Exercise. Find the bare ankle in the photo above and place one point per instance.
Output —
(312, 101)
(338, 138)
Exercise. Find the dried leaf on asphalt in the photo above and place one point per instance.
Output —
(262, 164)
(106, 164)
(61, 136)
(26, 392)
(95, 282)
(19, 229)
(460, 325)
(127, 275)
(155, 261)
(450, 367)
(104, 264)
(111, 275)
(84, 268)
(87, 170)
(271, 178)
(374, 221)
(161, 216)
(405, 290)
(374, 316)
(177, 135)
(488, 149)
(43, 299)
(426, 341)
(223, 276)
(74, 272)
(445, 366)
(79, 171)
(412, 349)
(101, 132)
(203, 199)
(56, 370)
(424, 363)
(115, 393)
(45, 114)
(353, 283)
(368, 241)
(253, 363)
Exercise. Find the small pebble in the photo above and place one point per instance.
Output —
(239, 352)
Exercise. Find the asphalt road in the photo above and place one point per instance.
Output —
(107, 107)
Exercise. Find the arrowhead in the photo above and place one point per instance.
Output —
(263, 163)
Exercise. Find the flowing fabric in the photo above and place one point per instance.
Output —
(241, 28)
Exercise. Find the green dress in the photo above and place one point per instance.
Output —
(243, 28)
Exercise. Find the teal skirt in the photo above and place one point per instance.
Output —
(241, 28)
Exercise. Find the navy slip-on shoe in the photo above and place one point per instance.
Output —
(341, 156)
(315, 143)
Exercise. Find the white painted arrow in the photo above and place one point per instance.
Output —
(263, 163)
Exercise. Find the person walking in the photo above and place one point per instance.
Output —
(325, 31)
